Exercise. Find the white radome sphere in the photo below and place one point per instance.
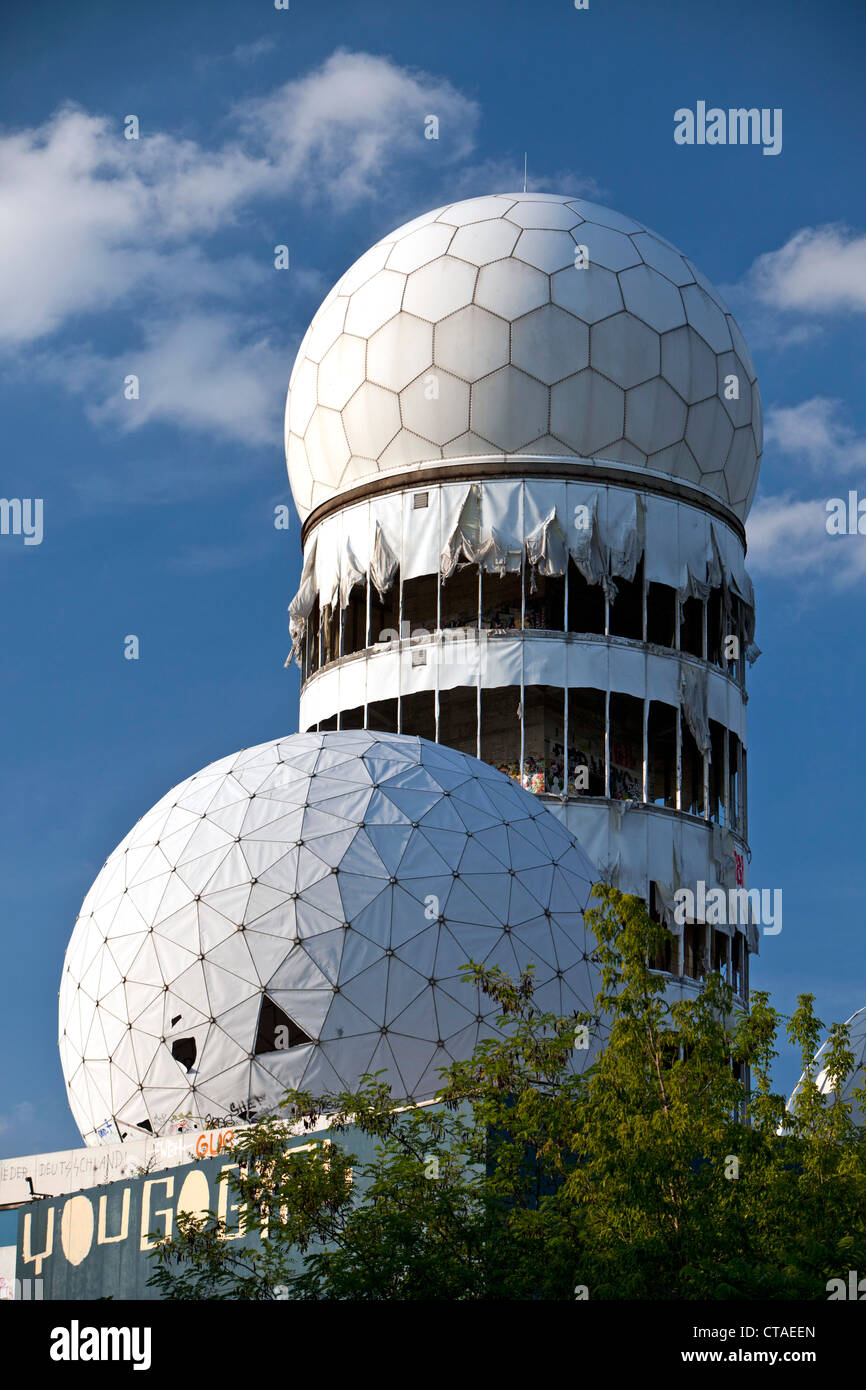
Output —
(624, 361)
(332, 885)
(857, 1035)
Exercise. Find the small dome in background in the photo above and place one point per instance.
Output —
(298, 914)
(473, 331)
(857, 1026)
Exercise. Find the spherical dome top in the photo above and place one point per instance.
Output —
(523, 323)
(857, 1036)
(298, 914)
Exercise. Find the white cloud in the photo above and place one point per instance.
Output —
(90, 219)
(337, 133)
(813, 433)
(208, 372)
(819, 270)
(788, 539)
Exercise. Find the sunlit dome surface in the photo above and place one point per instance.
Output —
(471, 331)
(298, 914)
(857, 1026)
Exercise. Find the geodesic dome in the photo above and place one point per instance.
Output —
(297, 914)
(471, 331)
(857, 1035)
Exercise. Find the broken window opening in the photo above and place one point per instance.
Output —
(276, 1031)
(662, 754)
(585, 603)
(586, 752)
(661, 615)
(626, 611)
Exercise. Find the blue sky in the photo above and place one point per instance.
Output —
(305, 127)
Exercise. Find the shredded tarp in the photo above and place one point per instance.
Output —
(546, 550)
(302, 605)
(693, 700)
(745, 591)
(667, 907)
(350, 573)
(588, 549)
(499, 556)
(464, 542)
(626, 534)
(383, 564)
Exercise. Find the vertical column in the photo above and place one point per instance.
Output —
(607, 742)
(679, 758)
(645, 788)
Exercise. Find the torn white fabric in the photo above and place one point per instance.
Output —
(693, 700)
(626, 532)
(303, 604)
(587, 544)
(383, 564)
(546, 550)
(464, 539)
(350, 573)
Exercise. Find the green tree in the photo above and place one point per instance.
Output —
(653, 1173)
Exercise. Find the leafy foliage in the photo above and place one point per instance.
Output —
(654, 1173)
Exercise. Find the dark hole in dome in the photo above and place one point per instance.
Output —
(277, 1032)
(145, 1124)
(184, 1050)
(177, 1018)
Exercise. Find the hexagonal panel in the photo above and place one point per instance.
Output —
(467, 444)
(655, 417)
(716, 482)
(325, 443)
(586, 412)
(375, 303)
(509, 408)
(302, 401)
(757, 418)
(547, 251)
(688, 364)
(709, 433)
(740, 410)
(707, 318)
(326, 329)
(440, 288)
(675, 459)
(436, 417)
(605, 217)
(482, 242)
(365, 267)
(550, 344)
(624, 349)
(678, 460)
(397, 353)
(607, 248)
(592, 293)
(652, 298)
(741, 347)
(511, 288)
(407, 448)
(663, 258)
(741, 464)
(341, 371)
(556, 216)
(471, 343)
(419, 247)
(371, 418)
(476, 210)
(299, 470)
(622, 451)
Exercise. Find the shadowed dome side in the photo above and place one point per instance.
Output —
(298, 914)
(484, 328)
(857, 1025)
